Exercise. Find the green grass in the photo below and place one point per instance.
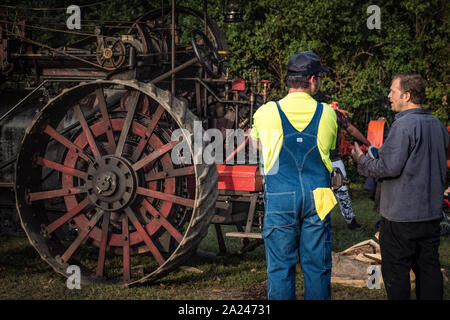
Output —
(23, 275)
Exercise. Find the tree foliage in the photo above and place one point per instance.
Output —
(413, 37)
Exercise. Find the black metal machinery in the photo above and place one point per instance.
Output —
(90, 165)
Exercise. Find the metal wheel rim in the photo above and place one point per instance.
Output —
(203, 203)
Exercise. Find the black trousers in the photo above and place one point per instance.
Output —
(411, 245)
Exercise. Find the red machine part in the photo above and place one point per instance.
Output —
(345, 147)
(239, 178)
(334, 105)
(375, 132)
(238, 84)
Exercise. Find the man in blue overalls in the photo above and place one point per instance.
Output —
(296, 135)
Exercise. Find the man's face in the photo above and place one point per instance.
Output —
(397, 98)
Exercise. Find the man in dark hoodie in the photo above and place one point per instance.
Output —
(411, 167)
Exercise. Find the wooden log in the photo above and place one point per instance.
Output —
(373, 256)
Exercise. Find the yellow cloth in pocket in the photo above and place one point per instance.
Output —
(324, 200)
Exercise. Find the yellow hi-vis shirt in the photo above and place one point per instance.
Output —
(299, 108)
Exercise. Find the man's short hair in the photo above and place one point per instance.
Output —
(414, 84)
(298, 82)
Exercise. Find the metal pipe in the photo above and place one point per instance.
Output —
(173, 47)
(239, 148)
(205, 102)
(9, 185)
(22, 101)
(236, 108)
(204, 16)
(54, 50)
(202, 82)
(8, 162)
(174, 70)
(198, 98)
(212, 80)
(252, 105)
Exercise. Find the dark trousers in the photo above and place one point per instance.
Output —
(411, 245)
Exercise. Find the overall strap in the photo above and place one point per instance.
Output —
(312, 126)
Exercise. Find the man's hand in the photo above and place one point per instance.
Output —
(356, 152)
(447, 192)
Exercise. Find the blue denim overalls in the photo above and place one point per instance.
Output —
(291, 223)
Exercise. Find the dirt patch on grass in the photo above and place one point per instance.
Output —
(257, 291)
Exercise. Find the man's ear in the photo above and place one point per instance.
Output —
(407, 96)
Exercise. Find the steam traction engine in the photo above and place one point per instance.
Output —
(90, 165)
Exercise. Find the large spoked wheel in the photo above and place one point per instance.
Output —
(206, 54)
(96, 186)
(187, 21)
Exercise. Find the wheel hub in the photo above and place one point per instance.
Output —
(107, 53)
(106, 183)
(111, 184)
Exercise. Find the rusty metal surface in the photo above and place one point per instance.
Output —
(239, 178)
(106, 183)
(11, 133)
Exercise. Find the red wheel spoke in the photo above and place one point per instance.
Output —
(102, 247)
(106, 120)
(34, 196)
(67, 143)
(87, 131)
(74, 246)
(61, 168)
(167, 197)
(127, 124)
(126, 250)
(164, 222)
(66, 217)
(154, 155)
(185, 171)
(148, 133)
(153, 249)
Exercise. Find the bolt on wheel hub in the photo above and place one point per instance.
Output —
(107, 53)
(111, 184)
(106, 183)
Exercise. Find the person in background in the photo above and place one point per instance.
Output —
(411, 168)
(342, 194)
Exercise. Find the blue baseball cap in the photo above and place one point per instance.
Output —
(304, 63)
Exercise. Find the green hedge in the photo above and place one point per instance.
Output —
(413, 37)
